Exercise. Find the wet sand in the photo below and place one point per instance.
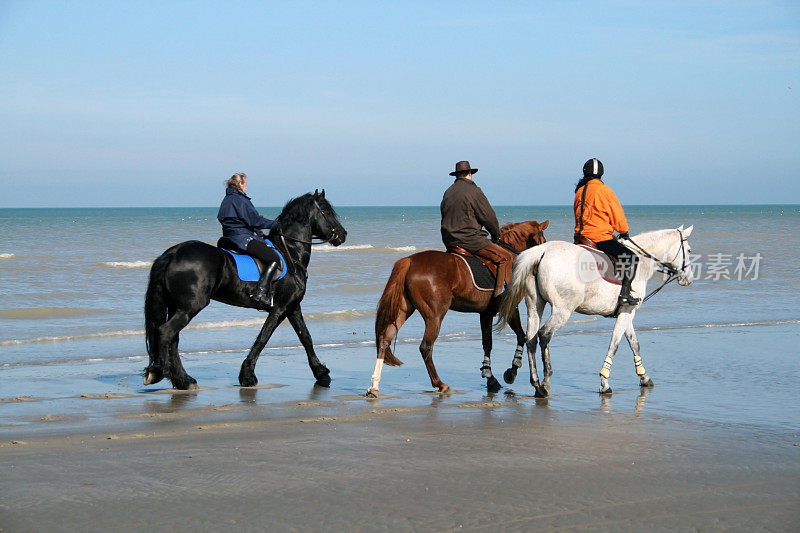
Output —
(451, 463)
(84, 446)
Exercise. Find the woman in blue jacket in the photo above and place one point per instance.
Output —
(240, 220)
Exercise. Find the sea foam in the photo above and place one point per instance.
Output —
(127, 264)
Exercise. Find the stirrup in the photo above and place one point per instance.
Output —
(627, 300)
(264, 299)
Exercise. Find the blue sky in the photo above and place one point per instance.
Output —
(151, 104)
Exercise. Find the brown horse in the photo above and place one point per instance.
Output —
(433, 282)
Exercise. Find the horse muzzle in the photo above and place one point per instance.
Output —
(338, 237)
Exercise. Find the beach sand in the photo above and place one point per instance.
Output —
(448, 463)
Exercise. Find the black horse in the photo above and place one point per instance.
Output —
(185, 278)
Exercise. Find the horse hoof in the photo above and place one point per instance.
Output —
(649, 383)
(606, 391)
(372, 394)
(492, 385)
(150, 378)
(248, 381)
(510, 375)
(445, 389)
(324, 381)
(541, 393)
(189, 384)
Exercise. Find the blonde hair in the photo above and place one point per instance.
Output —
(236, 180)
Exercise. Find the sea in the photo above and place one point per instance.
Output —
(723, 350)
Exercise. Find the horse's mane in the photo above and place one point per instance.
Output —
(516, 230)
(518, 234)
(297, 209)
(651, 236)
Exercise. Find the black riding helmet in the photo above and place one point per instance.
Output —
(593, 167)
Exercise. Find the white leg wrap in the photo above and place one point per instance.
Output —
(606, 370)
(517, 362)
(639, 366)
(376, 376)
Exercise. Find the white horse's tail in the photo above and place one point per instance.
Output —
(526, 264)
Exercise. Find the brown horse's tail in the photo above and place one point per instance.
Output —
(389, 307)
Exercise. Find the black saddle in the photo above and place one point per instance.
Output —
(481, 275)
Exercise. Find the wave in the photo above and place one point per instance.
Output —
(352, 314)
(241, 351)
(6, 256)
(127, 264)
(330, 248)
(341, 315)
(39, 313)
(79, 336)
(694, 326)
(583, 320)
(361, 247)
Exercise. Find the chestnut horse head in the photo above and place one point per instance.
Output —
(524, 235)
(434, 282)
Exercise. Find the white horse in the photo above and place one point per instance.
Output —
(556, 273)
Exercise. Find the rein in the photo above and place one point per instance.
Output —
(508, 247)
(667, 268)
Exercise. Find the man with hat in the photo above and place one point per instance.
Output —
(465, 211)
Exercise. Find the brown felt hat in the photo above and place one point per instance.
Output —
(462, 167)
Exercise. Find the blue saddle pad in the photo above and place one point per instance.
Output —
(246, 266)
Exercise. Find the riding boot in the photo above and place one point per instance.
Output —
(625, 297)
(503, 273)
(264, 290)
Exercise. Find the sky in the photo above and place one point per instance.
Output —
(150, 104)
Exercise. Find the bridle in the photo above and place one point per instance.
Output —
(333, 235)
(664, 267)
(513, 250)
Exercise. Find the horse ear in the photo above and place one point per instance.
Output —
(688, 231)
(316, 193)
(322, 194)
(543, 225)
(680, 228)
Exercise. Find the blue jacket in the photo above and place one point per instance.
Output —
(240, 219)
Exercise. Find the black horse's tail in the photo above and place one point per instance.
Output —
(155, 303)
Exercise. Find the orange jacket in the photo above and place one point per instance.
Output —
(602, 213)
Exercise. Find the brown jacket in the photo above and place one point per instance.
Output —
(465, 210)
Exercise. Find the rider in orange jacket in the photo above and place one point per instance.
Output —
(598, 214)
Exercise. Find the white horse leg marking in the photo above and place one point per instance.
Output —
(619, 328)
(644, 379)
(376, 378)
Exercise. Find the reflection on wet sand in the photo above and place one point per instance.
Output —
(174, 402)
(641, 399)
(248, 394)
